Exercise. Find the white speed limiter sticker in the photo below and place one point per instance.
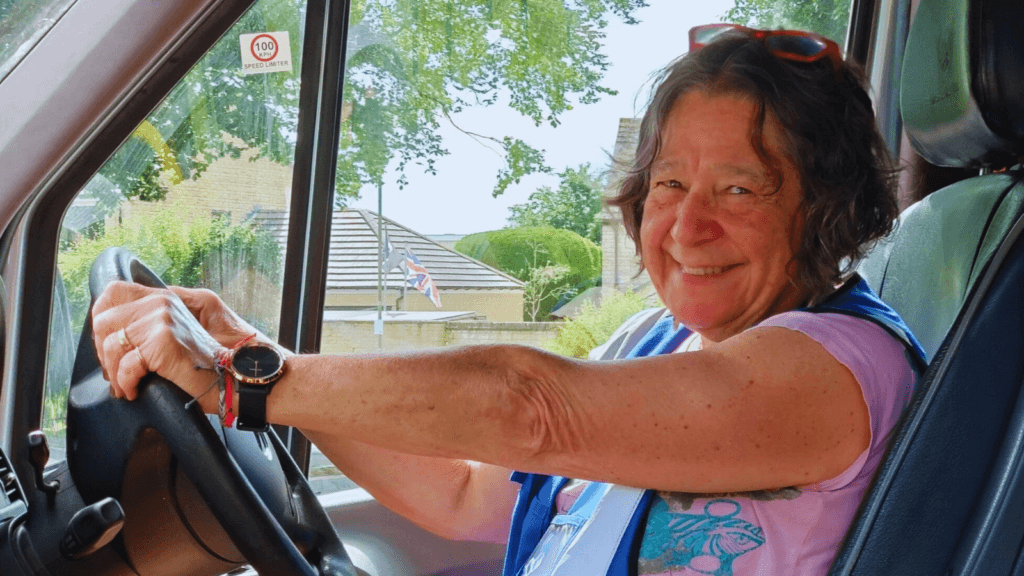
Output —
(265, 52)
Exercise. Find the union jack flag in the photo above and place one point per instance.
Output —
(419, 278)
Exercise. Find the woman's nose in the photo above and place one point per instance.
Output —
(696, 219)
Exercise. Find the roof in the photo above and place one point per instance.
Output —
(353, 254)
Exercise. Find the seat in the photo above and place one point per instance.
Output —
(949, 497)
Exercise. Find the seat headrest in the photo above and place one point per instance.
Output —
(962, 93)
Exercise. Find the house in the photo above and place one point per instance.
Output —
(620, 261)
(465, 285)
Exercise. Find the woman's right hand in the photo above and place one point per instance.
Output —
(138, 330)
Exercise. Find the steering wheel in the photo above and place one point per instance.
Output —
(262, 509)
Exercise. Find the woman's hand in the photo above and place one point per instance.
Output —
(138, 329)
(215, 317)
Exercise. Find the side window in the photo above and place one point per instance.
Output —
(199, 192)
(485, 133)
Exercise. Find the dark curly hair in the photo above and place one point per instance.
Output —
(847, 176)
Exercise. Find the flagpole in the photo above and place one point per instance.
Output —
(378, 326)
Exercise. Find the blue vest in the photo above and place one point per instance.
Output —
(535, 506)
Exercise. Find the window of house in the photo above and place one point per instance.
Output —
(199, 191)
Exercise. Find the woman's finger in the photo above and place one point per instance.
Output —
(111, 355)
(109, 314)
(195, 299)
(131, 369)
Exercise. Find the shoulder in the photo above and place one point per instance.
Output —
(877, 360)
(849, 339)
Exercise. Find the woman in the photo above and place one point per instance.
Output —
(758, 177)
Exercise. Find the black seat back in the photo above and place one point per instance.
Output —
(949, 497)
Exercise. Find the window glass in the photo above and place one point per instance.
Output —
(22, 24)
(198, 192)
(474, 129)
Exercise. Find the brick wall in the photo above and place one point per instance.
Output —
(496, 305)
(229, 185)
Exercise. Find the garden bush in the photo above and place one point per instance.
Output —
(595, 324)
(517, 251)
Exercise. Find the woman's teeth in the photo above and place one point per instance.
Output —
(707, 270)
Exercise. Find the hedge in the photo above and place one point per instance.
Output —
(516, 251)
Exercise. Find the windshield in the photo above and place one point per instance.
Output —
(22, 24)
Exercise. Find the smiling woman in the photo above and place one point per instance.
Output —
(678, 460)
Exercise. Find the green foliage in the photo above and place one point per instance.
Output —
(215, 111)
(829, 18)
(518, 251)
(595, 324)
(208, 253)
(411, 64)
(575, 205)
(414, 63)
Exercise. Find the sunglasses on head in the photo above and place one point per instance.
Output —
(793, 45)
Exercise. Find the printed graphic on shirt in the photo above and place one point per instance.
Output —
(701, 543)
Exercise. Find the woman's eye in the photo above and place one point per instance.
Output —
(738, 190)
(671, 184)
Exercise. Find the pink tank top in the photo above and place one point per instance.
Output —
(787, 531)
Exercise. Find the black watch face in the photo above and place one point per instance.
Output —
(257, 362)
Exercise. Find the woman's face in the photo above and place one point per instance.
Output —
(717, 239)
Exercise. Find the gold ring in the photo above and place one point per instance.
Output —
(142, 362)
(122, 339)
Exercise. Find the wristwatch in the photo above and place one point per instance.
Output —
(255, 369)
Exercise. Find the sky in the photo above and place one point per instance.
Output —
(458, 199)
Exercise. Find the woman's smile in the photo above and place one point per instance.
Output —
(707, 270)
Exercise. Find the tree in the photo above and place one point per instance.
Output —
(411, 65)
(213, 112)
(544, 286)
(829, 18)
(575, 205)
(418, 62)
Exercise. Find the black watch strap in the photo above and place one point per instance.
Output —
(252, 407)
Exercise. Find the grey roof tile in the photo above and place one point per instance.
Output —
(352, 263)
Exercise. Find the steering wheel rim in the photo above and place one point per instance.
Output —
(201, 455)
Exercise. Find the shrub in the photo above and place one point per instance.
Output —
(595, 324)
(237, 261)
(517, 251)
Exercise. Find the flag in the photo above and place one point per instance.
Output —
(419, 278)
(390, 256)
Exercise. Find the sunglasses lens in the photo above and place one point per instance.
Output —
(706, 34)
(796, 45)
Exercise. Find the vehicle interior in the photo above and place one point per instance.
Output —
(99, 486)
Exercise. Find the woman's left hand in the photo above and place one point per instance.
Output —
(138, 329)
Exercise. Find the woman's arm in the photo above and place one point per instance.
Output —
(457, 499)
(767, 408)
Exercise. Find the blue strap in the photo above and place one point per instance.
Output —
(530, 518)
(856, 298)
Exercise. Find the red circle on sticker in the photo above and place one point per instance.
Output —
(263, 47)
